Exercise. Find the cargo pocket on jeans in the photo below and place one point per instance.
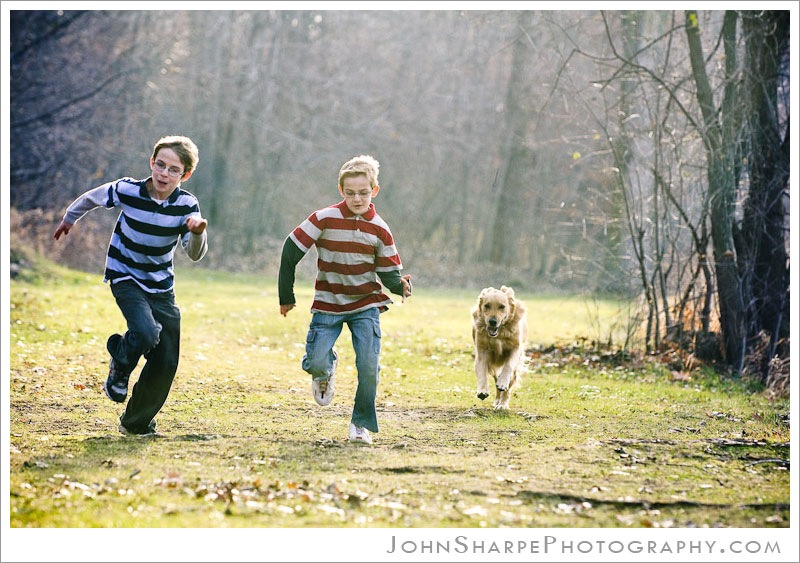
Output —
(311, 338)
(377, 340)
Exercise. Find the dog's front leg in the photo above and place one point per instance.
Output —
(501, 400)
(481, 371)
(504, 377)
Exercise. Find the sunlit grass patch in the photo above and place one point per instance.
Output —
(586, 443)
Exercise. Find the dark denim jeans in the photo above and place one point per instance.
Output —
(154, 331)
(365, 330)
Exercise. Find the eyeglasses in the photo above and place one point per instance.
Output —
(352, 195)
(173, 172)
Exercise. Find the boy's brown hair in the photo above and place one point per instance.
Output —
(362, 164)
(184, 147)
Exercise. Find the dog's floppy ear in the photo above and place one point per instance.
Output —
(509, 291)
(476, 311)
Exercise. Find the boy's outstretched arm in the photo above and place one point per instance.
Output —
(96, 197)
(290, 257)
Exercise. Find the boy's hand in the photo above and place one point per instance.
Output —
(63, 229)
(286, 308)
(196, 224)
(406, 286)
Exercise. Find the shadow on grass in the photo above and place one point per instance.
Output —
(626, 504)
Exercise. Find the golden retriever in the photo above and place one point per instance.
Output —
(499, 333)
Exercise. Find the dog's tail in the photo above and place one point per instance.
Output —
(525, 364)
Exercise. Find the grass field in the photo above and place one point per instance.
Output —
(587, 443)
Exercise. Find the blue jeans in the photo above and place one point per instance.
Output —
(154, 331)
(365, 329)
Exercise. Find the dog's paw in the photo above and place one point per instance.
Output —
(482, 396)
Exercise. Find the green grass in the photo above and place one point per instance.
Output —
(586, 443)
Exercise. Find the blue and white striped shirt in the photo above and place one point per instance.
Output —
(147, 232)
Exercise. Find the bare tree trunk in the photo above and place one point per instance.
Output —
(512, 184)
(720, 154)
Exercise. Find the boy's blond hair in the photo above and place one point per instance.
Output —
(362, 164)
(184, 147)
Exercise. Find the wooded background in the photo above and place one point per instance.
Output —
(638, 153)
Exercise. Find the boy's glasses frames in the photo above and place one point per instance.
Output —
(173, 172)
(352, 195)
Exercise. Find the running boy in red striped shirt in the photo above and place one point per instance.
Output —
(355, 247)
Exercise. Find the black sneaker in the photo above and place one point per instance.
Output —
(151, 430)
(116, 386)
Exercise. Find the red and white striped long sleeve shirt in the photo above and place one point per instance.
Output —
(353, 250)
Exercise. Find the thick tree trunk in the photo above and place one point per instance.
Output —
(763, 253)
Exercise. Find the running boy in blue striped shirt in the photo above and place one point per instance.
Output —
(155, 215)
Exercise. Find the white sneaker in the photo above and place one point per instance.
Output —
(359, 434)
(324, 389)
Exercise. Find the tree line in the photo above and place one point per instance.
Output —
(637, 153)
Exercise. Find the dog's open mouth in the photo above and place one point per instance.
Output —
(493, 330)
